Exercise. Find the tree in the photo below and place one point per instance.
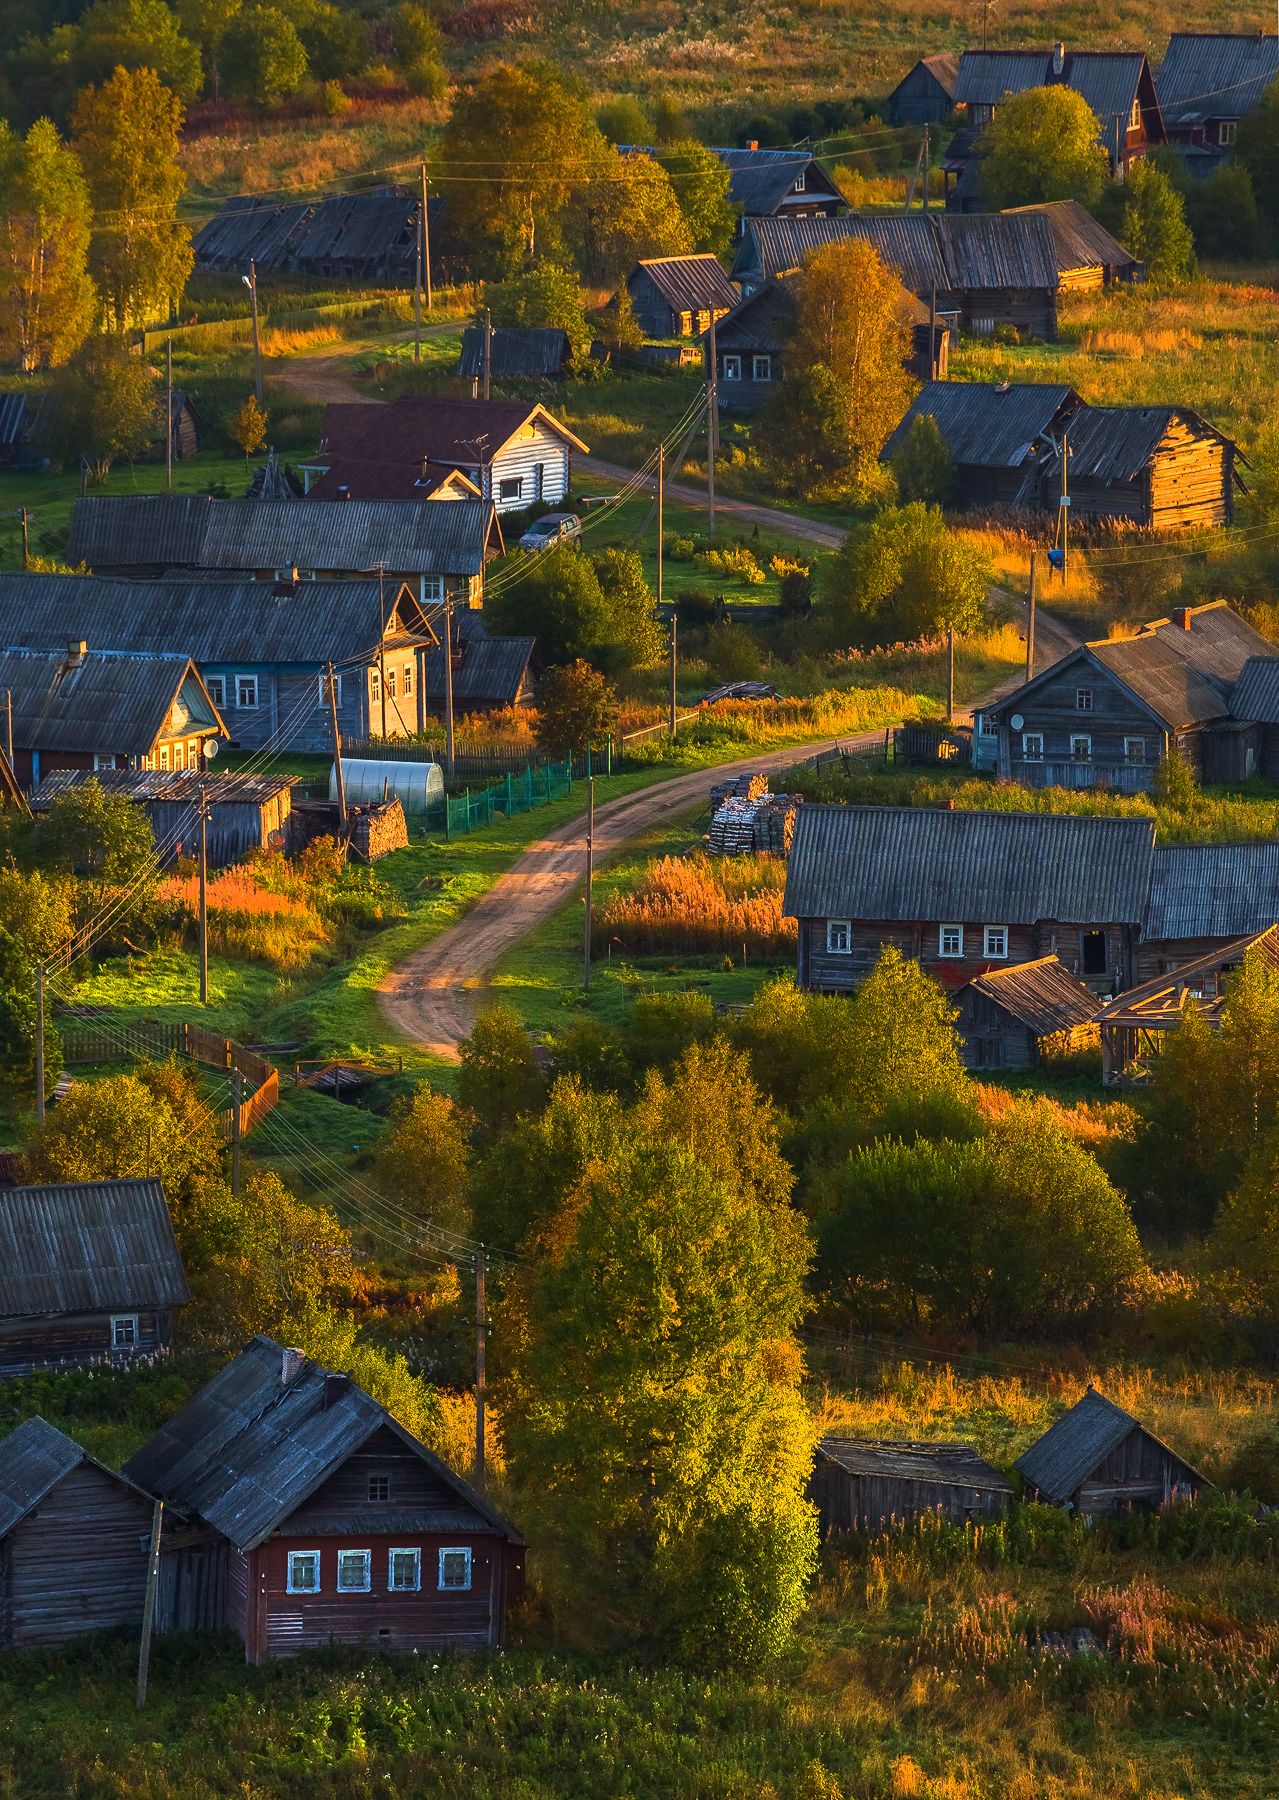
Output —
(803, 434)
(37, 909)
(576, 709)
(594, 608)
(104, 840)
(18, 1018)
(1257, 153)
(631, 637)
(126, 135)
(499, 1080)
(102, 407)
(543, 295)
(924, 466)
(1222, 211)
(47, 298)
(903, 575)
(205, 23)
(904, 1046)
(700, 181)
(1043, 144)
(1246, 1238)
(623, 120)
(135, 35)
(627, 209)
(248, 428)
(263, 60)
(530, 1170)
(664, 1027)
(1152, 223)
(423, 1161)
(149, 1123)
(335, 41)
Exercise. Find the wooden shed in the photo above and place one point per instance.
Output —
(1203, 898)
(1163, 467)
(73, 1541)
(678, 296)
(1007, 1014)
(247, 812)
(998, 434)
(925, 95)
(1088, 256)
(1135, 1025)
(89, 1273)
(866, 1484)
(304, 1515)
(1097, 1460)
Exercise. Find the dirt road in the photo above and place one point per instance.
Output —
(806, 531)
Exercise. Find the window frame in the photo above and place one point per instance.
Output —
(1080, 737)
(993, 955)
(215, 687)
(1027, 739)
(129, 1319)
(406, 685)
(456, 1587)
(839, 927)
(1227, 131)
(1094, 935)
(249, 682)
(1083, 700)
(801, 182)
(396, 1587)
(732, 369)
(347, 1587)
(431, 591)
(391, 685)
(509, 481)
(761, 365)
(322, 688)
(375, 685)
(1140, 757)
(955, 955)
(379, 1475)
(162, 757)
(103, 760)
(296, 1556)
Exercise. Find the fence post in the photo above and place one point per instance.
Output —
(509, 794)
(608, 754)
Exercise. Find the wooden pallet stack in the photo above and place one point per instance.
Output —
(732, 830)
(738, 787)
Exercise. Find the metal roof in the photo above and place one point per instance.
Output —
(1107, 79)
(171, 531)
(985, 77)
(688, 283)
(760, 180)
(87, 1246)
(115, 702)
(1117, 443)
(1070, 1450)
(936, 1465)
(491, 670)
(18, 414)
(1256, 693)
(34, 1457)
(952, 252)
(1042, 995)
(1079, 242)
(262, 1436)
(222, 787)
(1212, 891)
(516, 350)
(1215, 75)
(987, 424)
(907, 863)
(381, 452)
(1185, 672)
(373, 234)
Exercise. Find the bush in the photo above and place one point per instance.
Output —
(736, 562)
(696, 606)
(678, 549)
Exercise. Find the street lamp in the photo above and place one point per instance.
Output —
(251, 282)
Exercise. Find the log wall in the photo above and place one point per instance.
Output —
(78, 1563)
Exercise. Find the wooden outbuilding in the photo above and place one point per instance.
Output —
(1098, 1461)
(516, 353)
(89, 1273)
(247, 813)
(1204, 898)
(1254, 703)
(925, 95)
(1006, 1015)
(998, 434)
(73, 1541)
(766, 182)
(19, 424)
(368, 238)
(490, 673)
(1209, 81)
(1162, 467)
(869, 1484)
(184, 427)
(303, 1514)
(1134, 1026)
(678, 296)
(1088, 256)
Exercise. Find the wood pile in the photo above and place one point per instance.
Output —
(738, 787)
(745, 823)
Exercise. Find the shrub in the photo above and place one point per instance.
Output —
(736, 562)
(678, 549)
(696, 606)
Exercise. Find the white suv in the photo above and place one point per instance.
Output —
(552, 528)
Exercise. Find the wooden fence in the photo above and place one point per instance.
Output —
(161, 1038)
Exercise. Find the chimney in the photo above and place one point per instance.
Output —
(77, 650)
(752, 143)
(292, 1363)
(334, 1388)
(344, 492)
(1182, 616)
(1059, 60)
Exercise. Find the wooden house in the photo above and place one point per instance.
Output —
(247, 813)
(73, 1541)
(490, 674)
(19, 421)
(925, 95)
(1009, 1011)
(368, 238)
(89, 1273)
(1162, 467)
(765, 183)
(1108, 713)
(1135, 1025)
(1117, 85)
(678, 296)
(516, 453)
(516, 353)
(870, 1484)
(998, 435)
(1254, 702)
(302, 1514)
(962, 892)
(1208, 82)
(1098, 1461)
(1204, 898)
(82, 708)
(1087, 255)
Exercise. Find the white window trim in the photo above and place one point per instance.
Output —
(1227, 131)
(103, 759)
(391, 685)
(1083, 699)
(413, 1587)
(951, 955)
(362, 1587)
(761, 368)
(456, 1587)
(995, 955)
(375, 685)
(408, 681)
(118, 1319)
(1080, 737)
(801, 181)
(322, 689)
(431, 589)
(1141, 749)
(732, 367)
(249, 681)
(294, 1556)
(216, 686)
(1027, 739)
(836, 928)
(164, 758)
(510, 481)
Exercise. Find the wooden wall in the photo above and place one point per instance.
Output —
(992, 1038)
(70, 1339)
(847, 1502)
(1053, 712)
(823, 972)
(1138, 1474)
(1190, 481)
(78, 1563)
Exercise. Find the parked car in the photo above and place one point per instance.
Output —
(552, 528)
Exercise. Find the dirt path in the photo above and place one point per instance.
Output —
(323, 379)
(806, 531)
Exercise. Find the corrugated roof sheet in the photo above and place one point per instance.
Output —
(953, 252)
(760, 180)
(89, 1246)
(372, 235)
(169, 531)
(381, 452)
(224, 787)
(986, 424)
(114, 702)
(1212, 891)
(689, 283)
(762, 320)
(492, 669)
(538, 351)
(1186, 675)
(936, 1465)
(1215, 75)
(1256, 693)
(34, 1458)
(1106, 79)
(903, 862)
(17, 418)
(986, 76)
(1079, 242)
(1068, 1452)
(252, 1446)
(1043, 995)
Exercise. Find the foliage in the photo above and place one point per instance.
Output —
(662, 1028)
(734, 561)
(36, 909)
(1152, 223)
(47, 298)
(902, 575)
(499, 1080)
(923, 464)
(1222, 210)
(134, 35)
(1246, 1239)
(333, 1339)
(628, 209)
(423, 1159)
(623, 120)
(1257, 151)
(262, 57)
(248, 430)
(1043, 144)
(104, 840)
(102, 406)
(699, 906)
(595, 608)
(576, 709)
(533, 1166)
(543, 294)
(803, 426)
(18, 1018)
(701, 181)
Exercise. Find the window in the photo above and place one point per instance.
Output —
(432, 589)
(761, 368)
(322, 689)
(455, 1568)
(986, 726)
(390, 684)
(997, 941)
(216, 685)
(1083, 699)
(1135, 750)
(983, 327)
(407, 689)
(404, 1571)
(839, 936)
(379, 1488)
(511, 487)
(539, 479)
(124, 1331)
(246, 690)
(1226, 129)
(103, 762)
(304, 1572)
(732, 368)
(179, 756)
(164, 756)
(950, 940)
(1032, 746)
(375, 686)
(1081, 749)
(801, 181)
(355, 1571)
(1093, 948)
(1134, 117)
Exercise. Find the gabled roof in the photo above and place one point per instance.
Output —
(1117, 443)
(263, 1435)
(1079, 242)
(1107, 79)
(1215, 75)
(943, 66)
(907, 863)
(539, 351)
(688, 283)
(1042, 995)
(1069, 1451)
(221, 787)
(34, 1458)
(952, 252)
(374, 233)
(1160, 1003)
(1212, 891)
(1256, 693)
(935, 1465)
(491, 671)
(988, 424)
(397, 452)
(760, 180)
(985, 77)
(18, 414)
(762, 320)
(112, 702)
(87, 1246)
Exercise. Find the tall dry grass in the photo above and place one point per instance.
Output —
(251, 920)
(702, 905)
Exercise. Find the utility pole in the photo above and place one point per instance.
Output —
(237, 1130)
(661, 520)
(337, 744)
(712, 433)
(590, 882)
(8, 713)
(426, 240)
(481, 1333)
(148, 1603)
(26, 538)
(1030, 621)
(40, 1042)
(674, 656)
(417, 286)
(448, 683)
(251, 282)
(932, 333)
(488, 351)
(1063, 511)
(168, 413)
(925, 166)
(381, 643)
(204, 898)
(950, 674)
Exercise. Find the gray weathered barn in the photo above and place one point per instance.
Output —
(302, 1514)
(998, 435)
(489, 673)
(19, 421)
(1008, 1012)
(1254, 702)
(1208, 82)
(1204, 897)
(962, 891)
(678, 296)
(369, 238)
(73, 1541)
(1098, 1460)
(516, 353)
(1088, 256)
(867, 1484)
(246, 812)
(89, 1273)
(925, 95)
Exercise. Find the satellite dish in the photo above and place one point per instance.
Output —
(210, 748)
(1016, 721)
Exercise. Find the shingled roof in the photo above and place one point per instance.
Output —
(88, 1246)
(1042, 995)
(937, 1465)
(262, 1436)
(488, 671)
(1256, 693)
(1212, 891)
(989, 424)
(109, 702)
(1068, 1452)
(1215, 75)
(907, 863)
(1116, 443)
(34, 1458)
(689, 283)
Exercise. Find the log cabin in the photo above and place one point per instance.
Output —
(998, 434)
(368, 238)
(1161, 467)
(678, 296)
(73, 1541)
(1254, 703)
(302, 1514)
(765, 182)
(964, 892)
(1208, 83)
(869, 1484)
(1203, 898)
(925, 95)
(1117, 85)
(1008, 1014)
(89, 1273)
(516, 353)
(1134, 1026)
(1098, 1461)
(247, 813)
(1088, 256)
